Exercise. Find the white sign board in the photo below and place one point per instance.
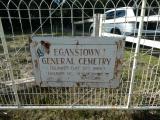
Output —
(77, 61)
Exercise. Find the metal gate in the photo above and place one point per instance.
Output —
(21, 19)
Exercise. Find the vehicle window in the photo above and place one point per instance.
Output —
(110, 15)
(120, 13)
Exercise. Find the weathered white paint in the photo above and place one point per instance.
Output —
(77, 61)
(146, 42)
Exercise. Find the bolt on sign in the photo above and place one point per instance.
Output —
(77, 61)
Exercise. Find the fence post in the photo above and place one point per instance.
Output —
(136, 51)
(9, 65)
(97, 24)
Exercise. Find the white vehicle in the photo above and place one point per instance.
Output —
(125, 21)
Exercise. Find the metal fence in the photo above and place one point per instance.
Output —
(140, 77)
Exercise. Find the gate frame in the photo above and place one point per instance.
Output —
(5, 48)
(136, 52)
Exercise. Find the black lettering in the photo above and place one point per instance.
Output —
(70, 51)
(44, 61)
(56, 52)
(62, 60)
(61, 52)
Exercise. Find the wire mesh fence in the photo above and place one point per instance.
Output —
(22, 19)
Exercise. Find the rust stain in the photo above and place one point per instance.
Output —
(78, 84)
(119, 44)
(119, 60)
(46, 46)
(117, 64)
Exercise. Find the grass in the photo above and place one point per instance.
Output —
(145, 85)
(80, 115)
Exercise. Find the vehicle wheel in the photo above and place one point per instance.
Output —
(91, 31)
(116, 31)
